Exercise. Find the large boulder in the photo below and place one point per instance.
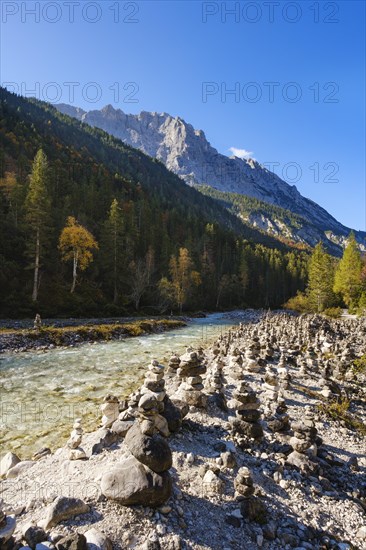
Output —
(153, 451)
(64, 508)
(130, 482)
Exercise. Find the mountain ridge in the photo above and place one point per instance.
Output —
(187, 152)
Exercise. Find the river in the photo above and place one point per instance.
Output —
(42, 392)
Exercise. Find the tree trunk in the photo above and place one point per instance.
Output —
(36, 269)
(74, 272)
(115, 295)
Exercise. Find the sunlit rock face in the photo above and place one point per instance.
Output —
(188, 153)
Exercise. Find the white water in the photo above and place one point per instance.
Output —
(42, 392)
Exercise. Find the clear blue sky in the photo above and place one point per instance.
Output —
(170, 51)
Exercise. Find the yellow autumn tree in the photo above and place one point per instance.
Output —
(76, 244)
(183, 279)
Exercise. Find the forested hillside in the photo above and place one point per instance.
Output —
(90, 226)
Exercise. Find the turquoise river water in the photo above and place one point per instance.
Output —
(41, 393)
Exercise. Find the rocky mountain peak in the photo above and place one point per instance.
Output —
(187, 152)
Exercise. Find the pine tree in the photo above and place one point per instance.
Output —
(37, 207)
(321, 278)
(348, 281)
(76, 244)
(114, 243)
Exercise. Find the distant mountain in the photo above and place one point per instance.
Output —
(187, 152)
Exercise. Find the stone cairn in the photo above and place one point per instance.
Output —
(303, 442)
(251, 507)
(271, 386)
(243, 484)
(143, 477)
(73, 444)
(37, 325)
(7, 527)
(236, 365)
(215, 380)
(283, 373)
(251, 363)
(151, 403)
(279, 421)
(246, 405)
(173, 365)
(190, 370)
(110, 410)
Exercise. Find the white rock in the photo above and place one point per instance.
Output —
(7, 462)
(19, 468)
(97, 540)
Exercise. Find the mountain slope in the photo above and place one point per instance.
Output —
(89, 170)
(187, 152)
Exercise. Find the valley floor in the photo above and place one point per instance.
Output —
(316, 510)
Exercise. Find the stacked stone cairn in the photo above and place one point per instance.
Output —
(251, 507)
(303, 443)
(110, 410)
(251, 363)
(73, 443)
(173, 365)
(214, 380)
(279, 420)
(236, 365)
(312, 360)
(246, 406)
(142, 477)
(283, 373)
(190, 370)
(271, 386)
(268, 350)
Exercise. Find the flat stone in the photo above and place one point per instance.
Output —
(64, 508)
(19, 468)
(121, 427)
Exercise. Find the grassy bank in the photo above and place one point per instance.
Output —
(22, 340)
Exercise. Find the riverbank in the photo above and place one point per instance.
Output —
(20, 340)
(300, 484)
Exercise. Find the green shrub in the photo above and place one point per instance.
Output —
(333, 312)
(359, 365)
(299, 303)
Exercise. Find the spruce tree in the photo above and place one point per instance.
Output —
(348, 281)
(114, 243)
(321, 278)
(37, 207)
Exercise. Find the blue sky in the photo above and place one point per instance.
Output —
(296, 69)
